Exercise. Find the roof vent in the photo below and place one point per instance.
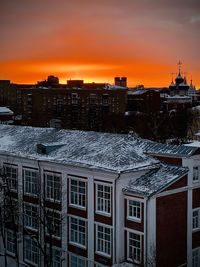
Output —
(45, 149)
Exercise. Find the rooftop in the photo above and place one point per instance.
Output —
(113, 152)
(155, 180)
(172, 150)
(5, 111)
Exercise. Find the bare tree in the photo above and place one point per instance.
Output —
(9, 219)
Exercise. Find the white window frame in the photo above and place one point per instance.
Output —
(51, 194)
(31, 221)
(79, 233)
(12, 178)
(196, 257)
(134, 210)
(53, 220)
(196, 174)
(138, 250)
(106, 203)
(79, 260)
(196, 219)
(106, 245)
(77, 194)
(31, 251)
(10, 242)
(30, 182)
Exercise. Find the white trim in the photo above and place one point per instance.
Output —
(134, 231)
(111, 240)
(133, 218)
(60, 213)
(86, 232)
(173, 191)
(135, 198)
(70, 178)
(103, 212)
(141, 249)
(198, 220)
(25, 214)
(24, 181)
(45, 173)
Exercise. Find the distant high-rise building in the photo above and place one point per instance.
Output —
(121, 81)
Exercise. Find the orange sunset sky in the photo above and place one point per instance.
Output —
(96, 40)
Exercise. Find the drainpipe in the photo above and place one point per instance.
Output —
(114, 218)
(146, 230)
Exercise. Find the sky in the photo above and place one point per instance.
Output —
(96, 40)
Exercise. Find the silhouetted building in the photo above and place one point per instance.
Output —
(147, 101)
(121, 81)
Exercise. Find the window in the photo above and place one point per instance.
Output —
(53, 187)
(56, 255)
(196, 219)
(53, 223)
(10, 241)
(76, 261)
(196, 257)
(134, 209)
(31, 251)
(11, 210)
(195, 174)
(103, 240)
(31, 182)
(103, 198)
(78, 231)
(134, 247)
(78, 193)
(31, 216)
(11, 174)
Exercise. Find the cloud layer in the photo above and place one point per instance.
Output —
(141, 39)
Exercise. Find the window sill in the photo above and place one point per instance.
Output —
(53, 200)
(194, 230)
(77, 207)
(103, 254)
(135, 262)
(134, 219)
(77, 245)
(103, 213)
(31, 228)
(31, 195)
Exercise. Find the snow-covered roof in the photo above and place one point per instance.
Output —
(5, 111)
(137, 92)
(114, 152)
(193, 144)
(115, 87)
(155, 180)
(171, 150)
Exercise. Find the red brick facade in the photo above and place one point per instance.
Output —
(171, 230)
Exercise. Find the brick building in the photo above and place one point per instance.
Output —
(143, 100)
(87, 109)
(107, 198)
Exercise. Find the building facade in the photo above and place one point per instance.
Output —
(92, 199)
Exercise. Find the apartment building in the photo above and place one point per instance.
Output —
(98, 199)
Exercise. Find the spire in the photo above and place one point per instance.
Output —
(172, 82)
(179, 68)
